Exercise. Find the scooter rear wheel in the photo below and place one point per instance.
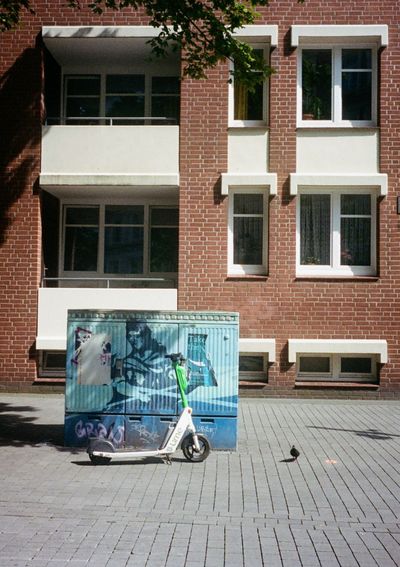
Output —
(190, 452)
(96, 460)
(100, 445)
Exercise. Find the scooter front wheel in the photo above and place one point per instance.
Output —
(189, 450)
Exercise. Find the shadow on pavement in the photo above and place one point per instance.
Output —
(19, 428)
(371, 433)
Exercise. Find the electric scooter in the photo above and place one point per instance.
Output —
(195, 446)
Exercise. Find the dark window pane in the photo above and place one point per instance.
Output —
(120, 214)
(164, 250)
(356, 59)
(125, 84)
(165, 107)
(85, 85)
(164, 217)
(83, 106)
(317, 84)
(82, 215)
(125, 106)
(123, 250)
(81, 249)
(355, 242)
(54, 360)
(248, 241)
(359, 365)
(355, 204)
(356, 96)
(165, 85)
(315, 364)
(315, 229)
(248, 204)
(251, 363)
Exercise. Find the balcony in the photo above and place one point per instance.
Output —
(53, 302)
(112, 113)
(109, 156)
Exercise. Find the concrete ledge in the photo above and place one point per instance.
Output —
(375, 33)
(266, 346)
(373, 180)
(266, 180)
(259, 32)
(118, 180)
(338, 346)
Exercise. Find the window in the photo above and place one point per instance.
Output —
(52, 363)
(253, 368)
(249, 107)
(82, 98)
(125, 97)
(337, 86)
(341, 367)
(247, 231)
(336, 232)
(92, 99)
(120, 240)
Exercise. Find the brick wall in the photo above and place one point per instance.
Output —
(282, 306)
(279, 306)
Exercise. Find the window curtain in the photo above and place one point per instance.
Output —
(355, 230)
(241, 95)
(315, 228)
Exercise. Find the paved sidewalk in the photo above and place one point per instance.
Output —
(338, 505)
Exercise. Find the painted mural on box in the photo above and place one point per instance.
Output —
(143, 380)
(92, 358)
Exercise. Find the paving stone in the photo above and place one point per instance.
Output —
(241, 509)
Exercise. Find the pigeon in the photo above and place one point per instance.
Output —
(294, 453)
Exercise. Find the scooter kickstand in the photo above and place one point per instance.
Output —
(167, 459)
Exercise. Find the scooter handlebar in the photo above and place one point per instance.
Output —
(175, 357)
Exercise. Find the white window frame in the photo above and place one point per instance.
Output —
(335, 374)
(335, 269)
(99, 273)
(247, 269)
(336, 51)
(266, 48)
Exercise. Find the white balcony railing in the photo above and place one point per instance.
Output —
(110, 150)
(53, 305)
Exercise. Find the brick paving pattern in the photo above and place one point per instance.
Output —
(337, 505)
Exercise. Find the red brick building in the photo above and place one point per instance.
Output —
(124, 187)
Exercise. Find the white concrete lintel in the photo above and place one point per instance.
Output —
(267, 180)
(87, 32)
(338, 346)
(377, 180)
(259, 32)
(265, 346)
(139, 179)
(376, 33)
(51, 343)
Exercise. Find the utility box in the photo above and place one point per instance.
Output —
(120, 386)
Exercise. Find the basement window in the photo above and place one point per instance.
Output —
(253, 368)
(337, 367)
(52, 364)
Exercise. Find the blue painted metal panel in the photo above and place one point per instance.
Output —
(79, 427)
(220, 431)
(212, 362)
(150, 383)
(116, 365)
(147, 432)
(95, 353)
